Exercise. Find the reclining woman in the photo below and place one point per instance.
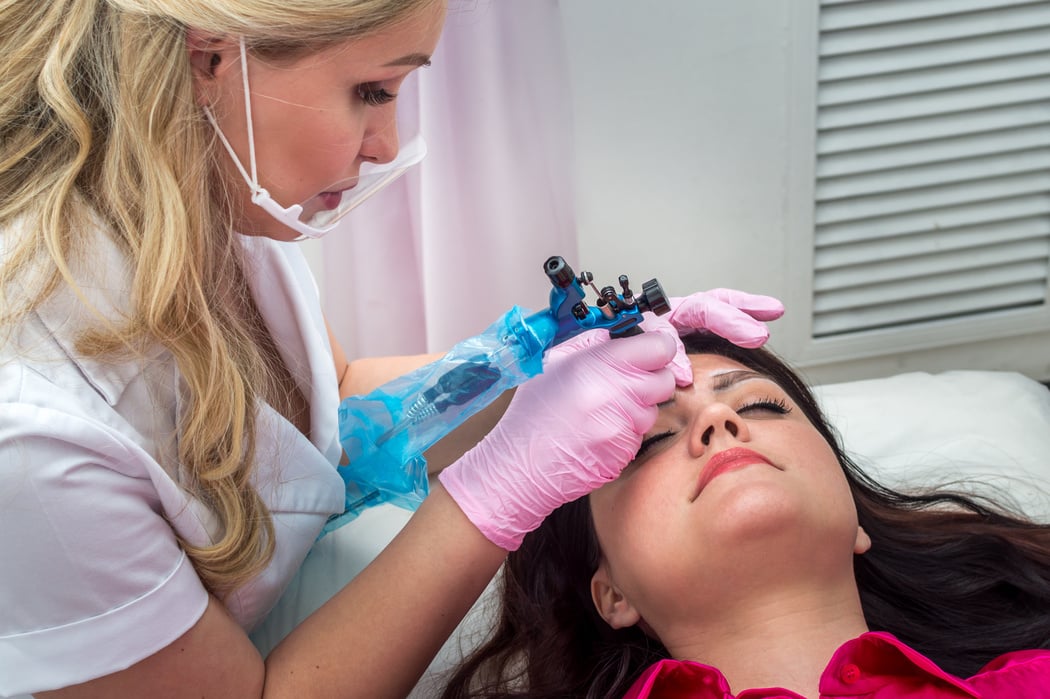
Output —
(742, 549)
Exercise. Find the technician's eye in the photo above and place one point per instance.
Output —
(374, 95)
(649, 442)
(777, 406)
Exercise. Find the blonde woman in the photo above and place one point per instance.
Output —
(168, 387)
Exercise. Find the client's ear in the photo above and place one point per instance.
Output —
(610, 602)
(863, 542)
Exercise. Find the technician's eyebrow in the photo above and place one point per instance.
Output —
(412, 59)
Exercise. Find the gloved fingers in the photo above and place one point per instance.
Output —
(627, 445)
(584, 340)
(626, 375)
(640, 365)
(710, 311)
(680, 366)
(757, 306)
(586, 369)
(649, 390)
(648, 351)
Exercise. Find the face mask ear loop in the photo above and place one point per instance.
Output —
(252, 179)
(256, 189)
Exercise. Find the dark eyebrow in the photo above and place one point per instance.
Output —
(723, 382)
(412, 59)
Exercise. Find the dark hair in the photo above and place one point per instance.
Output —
(954, 576)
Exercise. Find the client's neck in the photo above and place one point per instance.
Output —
(780, 641)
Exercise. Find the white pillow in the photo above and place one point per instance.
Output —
(989, 430)
(913, 429)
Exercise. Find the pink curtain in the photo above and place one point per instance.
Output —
(443, 252)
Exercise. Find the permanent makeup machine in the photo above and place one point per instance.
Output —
(386, 432)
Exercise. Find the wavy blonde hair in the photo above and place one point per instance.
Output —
(98, 120)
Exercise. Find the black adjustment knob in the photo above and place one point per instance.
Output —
(560, 273)
(653, 298)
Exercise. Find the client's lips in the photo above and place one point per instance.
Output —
(728, 460)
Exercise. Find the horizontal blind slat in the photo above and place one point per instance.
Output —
(894, 109)
(916, 222)
(950, 77)
(939, 126)
(902, 269)
(914, 200)
(987, 300)
(923, 56)
(935, 174)
(934, 151)
(946, 284)
(943, 240)
(865, 13)
(892, 35)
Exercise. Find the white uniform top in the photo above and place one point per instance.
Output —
(92, 576)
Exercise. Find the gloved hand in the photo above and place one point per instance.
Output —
(566, 432)
(735, 315)
(680, 366)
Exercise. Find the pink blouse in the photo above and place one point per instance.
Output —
(872, 665)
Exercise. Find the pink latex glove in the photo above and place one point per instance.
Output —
(566, 432)
(735, 315)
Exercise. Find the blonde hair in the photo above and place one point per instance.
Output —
(98, 121)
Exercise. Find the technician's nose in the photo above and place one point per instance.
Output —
(380, 144)
(716, 424)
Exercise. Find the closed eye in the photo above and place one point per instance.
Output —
(649, 442)
(777, 406)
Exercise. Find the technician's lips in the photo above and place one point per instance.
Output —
(329, 200)
(728, 460)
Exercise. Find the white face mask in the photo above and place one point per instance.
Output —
(320, 213)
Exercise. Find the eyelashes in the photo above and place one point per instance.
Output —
(773, 405)
(374, 95)
(777, 406)
(648, 442)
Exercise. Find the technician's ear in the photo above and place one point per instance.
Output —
(211, 55)
(863, 542)
(610, 602)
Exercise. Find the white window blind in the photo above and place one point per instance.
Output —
(933, 161)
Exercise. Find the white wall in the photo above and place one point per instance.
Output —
(694, 124)
(695, 131)
(681, 161)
